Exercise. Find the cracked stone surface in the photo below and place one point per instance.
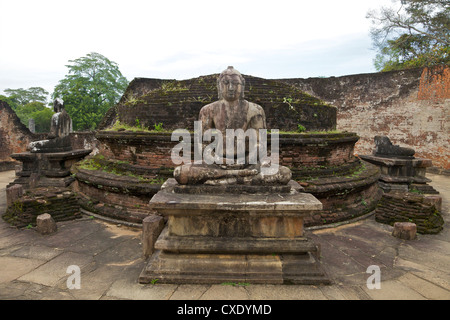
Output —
(110, 257)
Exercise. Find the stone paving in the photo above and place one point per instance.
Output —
(34, 266)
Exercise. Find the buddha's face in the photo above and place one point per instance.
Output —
(231, 87)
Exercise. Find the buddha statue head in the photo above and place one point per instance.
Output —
(231, 85)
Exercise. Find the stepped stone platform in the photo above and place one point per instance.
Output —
(235, 236)
(322, 161)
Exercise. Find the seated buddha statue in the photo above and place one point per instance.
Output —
(232, 111)
(58, 139)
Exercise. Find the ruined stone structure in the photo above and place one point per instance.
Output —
(323, 162)
(407, 197)
(61, 203)
(423, 210)
(14, 136)
(45, 175)
(400, 170)
(409, 106)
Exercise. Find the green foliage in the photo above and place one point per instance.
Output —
(300, 128)
(411, 51)
(236, 284)
(12, 103)
(172, 86)
(23, 96)
(415, 34)
(42, 118)
(39, 112)
(93, 85)
(30, 104)
(158, 127)
(119, 126)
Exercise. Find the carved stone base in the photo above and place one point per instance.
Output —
(399, 174)
(47, 169)
(234, 237)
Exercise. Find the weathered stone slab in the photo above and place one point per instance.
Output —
(279, 204)
(434, 200)
(224, 245)
(220, 268)
(396, 167)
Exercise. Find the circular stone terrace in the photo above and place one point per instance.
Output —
(135, 144)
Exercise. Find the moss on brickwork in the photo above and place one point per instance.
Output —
(409, 207)
(61, 204)
(117, 168)
(177, 104)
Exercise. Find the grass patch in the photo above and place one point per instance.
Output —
(120, 126)
(116, 168)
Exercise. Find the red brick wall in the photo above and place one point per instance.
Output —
(14, 136)
(411, 107)
(153, 150)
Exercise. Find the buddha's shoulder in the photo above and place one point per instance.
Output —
(211, 106)
(255, 108)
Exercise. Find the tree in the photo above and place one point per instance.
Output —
(30, 104)
(9, 101)
(42, 119)
(416, 34)
(39, 112)
(23, 96)
(93, 85)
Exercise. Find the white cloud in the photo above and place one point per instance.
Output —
(175, 39)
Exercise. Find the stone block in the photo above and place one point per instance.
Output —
(13, 193)
(34, 180)
(151, 228)
(45, 224)
(405, 230)
(434, 200)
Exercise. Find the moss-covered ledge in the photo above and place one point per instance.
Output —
(132, 137)
(317, 138)
(366, 174)
(285, 138)
(119, 177)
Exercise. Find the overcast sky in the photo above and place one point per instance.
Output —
(185, 39)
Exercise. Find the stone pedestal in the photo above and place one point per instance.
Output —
(51, 169)
(219, 234)
(402, 174)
